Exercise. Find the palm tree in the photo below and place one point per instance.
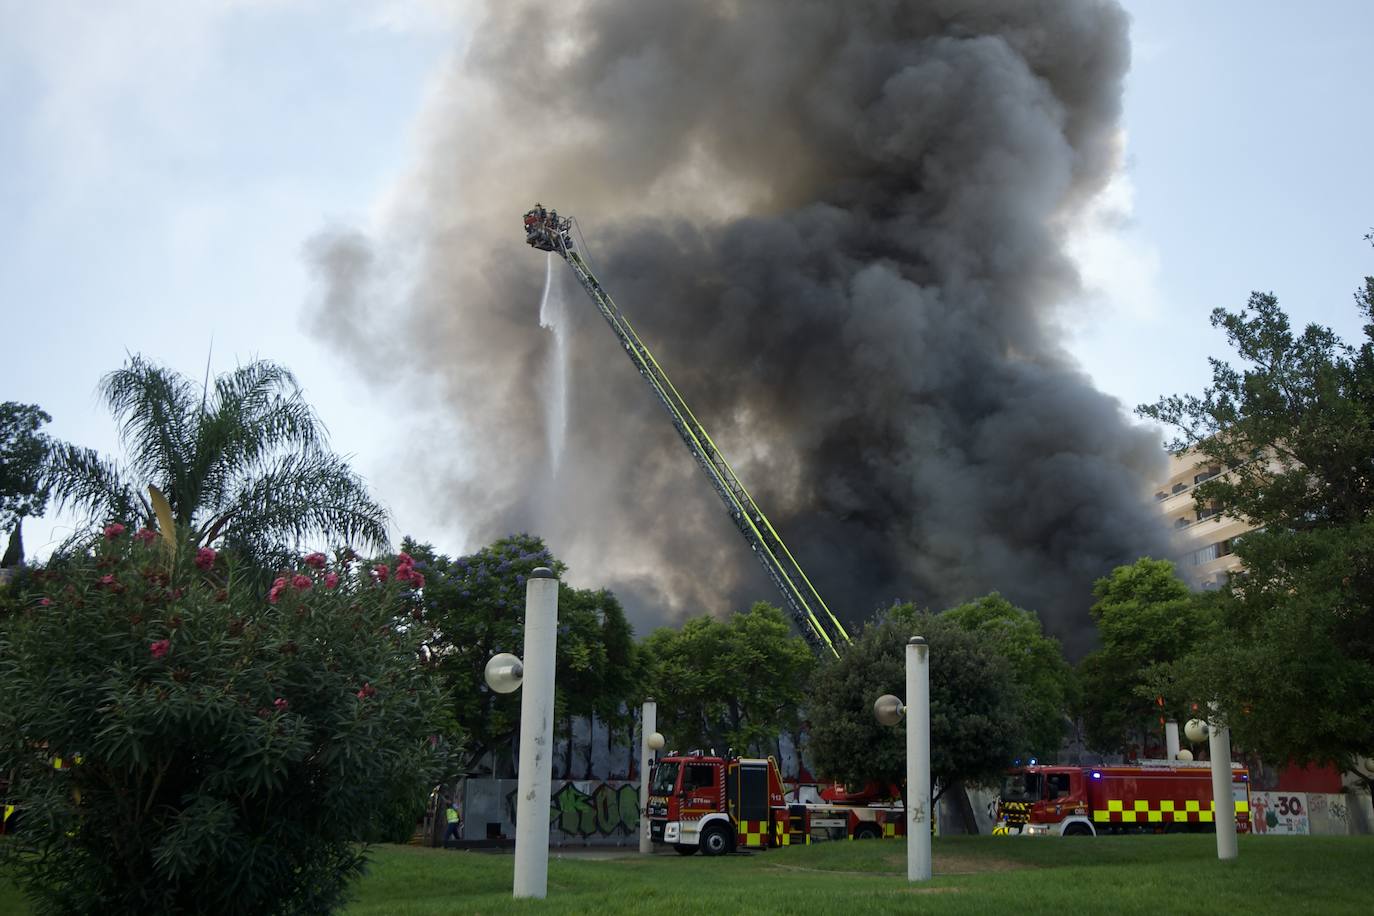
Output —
(244, 463)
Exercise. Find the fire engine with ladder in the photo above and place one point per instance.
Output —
(701, 800)
(1158, 796)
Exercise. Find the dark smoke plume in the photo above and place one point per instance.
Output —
(841, 227)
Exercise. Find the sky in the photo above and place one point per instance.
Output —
(164, 165)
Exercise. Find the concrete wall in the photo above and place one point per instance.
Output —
(1311, 813)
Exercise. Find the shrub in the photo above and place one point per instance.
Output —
(177, 742)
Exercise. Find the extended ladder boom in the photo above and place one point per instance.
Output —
(546, 232)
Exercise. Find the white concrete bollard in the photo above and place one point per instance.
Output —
(536, 735)
(1223, 798)
(648, 725)
(919, 812)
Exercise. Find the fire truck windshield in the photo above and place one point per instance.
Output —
(1021, 787)
(665, 778)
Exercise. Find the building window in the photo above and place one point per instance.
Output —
(1205, 555)
(1210, 552)
(1182, 522)
(1207, 511)
(1161, 495)
(1179, 487)
(1207, 474)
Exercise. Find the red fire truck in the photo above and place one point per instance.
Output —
(719, 804)
(1164, 796)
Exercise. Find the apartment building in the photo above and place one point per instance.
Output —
(1203, 537)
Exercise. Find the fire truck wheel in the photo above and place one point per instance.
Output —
(1078, 830)
(684, 850)
(866, 832)
(715, 841)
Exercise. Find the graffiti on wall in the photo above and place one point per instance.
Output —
(606, 810)
(591, 809)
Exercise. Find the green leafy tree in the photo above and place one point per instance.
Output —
(23, 453)
(474, 607)
(688, 683)
(773, 670)
(975, 726)
(243, 462)
(1044, 681)
(176, 743)
(598, 668)
(1146, 616)
(1293, 424)
(737, 683)
(1287, 677)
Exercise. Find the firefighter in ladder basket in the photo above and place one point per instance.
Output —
(545, 231)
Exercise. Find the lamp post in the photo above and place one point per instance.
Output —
(648, 722)
(505, 673)
(889, 710)
(1223, 797)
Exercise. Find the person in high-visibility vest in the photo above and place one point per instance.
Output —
(454, 814)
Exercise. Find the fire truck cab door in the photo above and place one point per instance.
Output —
(700, 789)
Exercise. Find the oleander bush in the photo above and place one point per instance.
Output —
(176, 741)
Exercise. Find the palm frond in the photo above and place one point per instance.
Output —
(78, 478)
(257, 411)
(302, 496)
(245, 460)
(154, 408)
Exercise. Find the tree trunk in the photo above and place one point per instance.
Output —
(591, 743)
(568, 756)
(965, 807)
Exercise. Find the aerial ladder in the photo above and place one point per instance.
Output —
(546, 231)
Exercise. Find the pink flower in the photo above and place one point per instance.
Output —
(417, 580)
(277, 588)
(44, 602)
(367, 691)
(205, 557)
(315, 561)
(403, 573)
(383, 573)
(281, 704)
(160, 648)
(404, 559)
(113, 531)
(145, 535)
(301, 582)
(107, 580)
(331, 579)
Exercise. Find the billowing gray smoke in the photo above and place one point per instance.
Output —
(841, 227)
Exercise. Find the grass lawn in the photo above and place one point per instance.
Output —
(972, 875)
